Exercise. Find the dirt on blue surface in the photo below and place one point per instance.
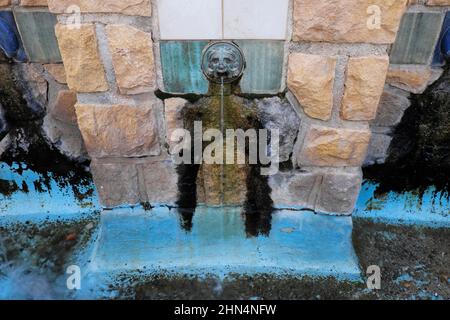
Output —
(414, 262)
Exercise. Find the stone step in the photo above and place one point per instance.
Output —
(299, 243)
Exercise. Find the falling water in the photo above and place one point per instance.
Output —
(222, 129)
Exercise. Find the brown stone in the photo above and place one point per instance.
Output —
(64, 108)
(117, 182)
(296, 189)
(311, 80)
(57, 71)
(174, 120)
(132, 55)
(33, 3)
(412, 78)
(4, 3)
(364, 85)
(159, 181)
(128, 7)
(392, 105)
(339, 192)
(118, 130)
(438, 3)
(347, 20)
(82, 62)
(334, 147)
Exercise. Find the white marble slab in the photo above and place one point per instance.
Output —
(190, 19)
(255, 19)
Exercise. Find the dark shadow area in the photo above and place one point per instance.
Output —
(419, 155)
(21, 120)
(187, 189)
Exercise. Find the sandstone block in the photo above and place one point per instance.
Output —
(412, 78)
(311, 80)
(365, 21)
(64, 107)
(127, 7)
(117, 182)
(82, 62)
(172, 109)
(334, 147)
(118, 130)
(339, 191)
(364, 85)
(132, 55)
(33, 3)
(57, 71)
(295, 189)
(158, 181)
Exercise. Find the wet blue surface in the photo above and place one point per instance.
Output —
(432, 209)
(41, 202)
(300, 243)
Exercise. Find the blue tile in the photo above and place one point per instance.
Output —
(37, 30)
(264, 70)
(181, 67)
(417, 38)
(438, 59)
(10, 42)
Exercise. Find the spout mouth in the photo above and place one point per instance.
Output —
(223, 62)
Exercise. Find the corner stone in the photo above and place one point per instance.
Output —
(311, 80)
(364, 85)
(339, 191)
(79, 51)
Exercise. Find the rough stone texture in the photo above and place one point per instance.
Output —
(132, 55)
(364, 84)
(174, 119)
(34, 85)
(65, 137)
(412, 78)
(334, 147)
(4, 3)
(57, 71)
(118, 130)
(128, 7)
(339, 192)
(378, 149)
(311, 80)
(84, 68)
(158, 181)
(33, 3)
(275, 113)
(64, 107)
(131, 181)
(438, 3)
(393, 104)
(117, 182)
(346, 20)
(296, 189)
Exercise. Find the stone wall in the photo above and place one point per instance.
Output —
(330, 58)
(33, 83)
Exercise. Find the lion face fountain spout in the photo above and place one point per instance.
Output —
(223, 61)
